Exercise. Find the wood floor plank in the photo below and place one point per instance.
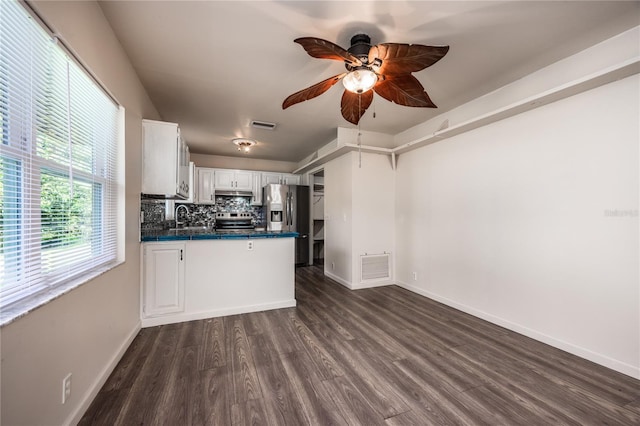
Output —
(410, 418)
(132, 361)
(361, 327)
(250, 412)
(253, 323)
(583, 373)
(352, 405)
(370, 382)
(144, 397)
(456, 407)
(338, 324)
(598, 380)
(633, 406)
(211, 404)
(213, 345)
(106, 408)
(177, 400)
(281, 407)
(325, 364)
(245, 378)
(277, 325)
(524, 383)
(308, 389)
(191, 333)
(366, 357)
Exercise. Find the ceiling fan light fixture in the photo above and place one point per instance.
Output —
(244, 144)
(360, 80)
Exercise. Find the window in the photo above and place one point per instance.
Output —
(58, 177)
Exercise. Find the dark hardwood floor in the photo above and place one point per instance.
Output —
(366, 357)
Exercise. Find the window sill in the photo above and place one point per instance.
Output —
(20, 308)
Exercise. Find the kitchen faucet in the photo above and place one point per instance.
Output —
(186, 211)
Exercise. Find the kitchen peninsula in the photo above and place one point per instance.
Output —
(191, 274)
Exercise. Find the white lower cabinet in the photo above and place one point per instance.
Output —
(222, 277)
(163, 280)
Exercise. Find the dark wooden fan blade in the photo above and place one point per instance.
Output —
(312, 91)
(323, 49)
(403, 90)
(353, 108)
(405, 58)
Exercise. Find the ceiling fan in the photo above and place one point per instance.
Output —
(386, 68)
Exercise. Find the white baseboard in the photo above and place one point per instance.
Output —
(338, 279)
(192, 316)
(88, 398)
(371, 285)
(622, 367)
(352, 286)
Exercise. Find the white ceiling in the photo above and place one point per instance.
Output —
(213, 66)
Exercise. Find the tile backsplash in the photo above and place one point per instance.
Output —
(154, 212)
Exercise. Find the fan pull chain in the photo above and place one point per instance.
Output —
(359, 134)
(374, 107)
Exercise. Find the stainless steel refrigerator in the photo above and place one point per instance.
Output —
(287, 209)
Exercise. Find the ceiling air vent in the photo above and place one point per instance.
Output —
(263, 125)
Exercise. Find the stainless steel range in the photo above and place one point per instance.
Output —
(234, 220)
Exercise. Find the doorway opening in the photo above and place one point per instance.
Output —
(317, 217)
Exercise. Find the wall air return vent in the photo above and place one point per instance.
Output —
(263, 125)
(375, 267)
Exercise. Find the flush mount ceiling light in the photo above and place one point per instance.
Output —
(243, 144)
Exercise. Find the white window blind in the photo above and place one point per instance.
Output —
(58, 181)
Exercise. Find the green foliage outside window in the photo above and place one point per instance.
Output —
(66, 211)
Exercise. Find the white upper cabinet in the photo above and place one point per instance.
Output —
(209, 180)
(233, 180)
(206, 186)
(289, 179)
(268, 178)
(193, 185)
(165, 161)
(256, 200)
(280, 178)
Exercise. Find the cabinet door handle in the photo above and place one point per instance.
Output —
(180, 254)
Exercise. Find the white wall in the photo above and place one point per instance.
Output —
(85, 331)
(359, 212)
(373, 203)
(337, 224)
(510, 222)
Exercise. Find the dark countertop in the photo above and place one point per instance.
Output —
(211, 234)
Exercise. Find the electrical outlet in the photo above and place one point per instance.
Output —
(333, 266)
(249, 245)
(66, 388)
(415, 276)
